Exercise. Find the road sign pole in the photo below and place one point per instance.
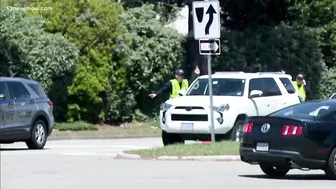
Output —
(212, 124)
(206, 27)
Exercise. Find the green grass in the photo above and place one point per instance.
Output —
(82, 130)
(219, 148)
(75, 126)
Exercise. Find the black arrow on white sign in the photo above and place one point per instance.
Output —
(211, 11)
(209, 47)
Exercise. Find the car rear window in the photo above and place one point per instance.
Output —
(308, 110)
(38, 90)
(288, 85)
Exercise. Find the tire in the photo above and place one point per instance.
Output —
(170, 138)
(38, 137)
(274, 172)
(330, 169)
(235, 134)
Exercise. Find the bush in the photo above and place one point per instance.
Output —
(75, 126)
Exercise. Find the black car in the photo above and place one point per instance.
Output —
(302, 136)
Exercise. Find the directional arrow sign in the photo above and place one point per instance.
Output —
(209, 47)
(206, 19)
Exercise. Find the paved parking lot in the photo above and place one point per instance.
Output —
(87, 164)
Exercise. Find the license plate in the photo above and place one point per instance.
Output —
(187, 126)
(262, 146)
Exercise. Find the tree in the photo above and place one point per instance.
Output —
(154, 52)
(27, 51)
(94, 26)
(268, 48)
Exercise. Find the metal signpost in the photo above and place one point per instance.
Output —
(206, 17)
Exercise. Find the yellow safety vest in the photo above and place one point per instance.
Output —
(301, 91)
(176, 87)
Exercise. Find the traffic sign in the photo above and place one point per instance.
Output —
(206, 19)
(209, 47)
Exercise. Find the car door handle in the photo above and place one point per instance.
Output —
(268, 105)
(11, 104)
(32, 101)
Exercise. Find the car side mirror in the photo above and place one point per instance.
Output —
(182, 93)
(255, 93)
(2, 96)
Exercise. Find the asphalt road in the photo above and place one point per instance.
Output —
(88, 164)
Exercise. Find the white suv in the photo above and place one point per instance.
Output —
(236, 95)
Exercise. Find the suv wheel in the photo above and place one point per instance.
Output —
(170, 138)
(38, 137)
(236, 134)
(330, 169)
(272, 171)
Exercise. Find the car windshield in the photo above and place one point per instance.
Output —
(221, 87)
(308, 110)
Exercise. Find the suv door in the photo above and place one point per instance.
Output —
(24, 104)
(274, 95)
(262, 104)
(7, 108)
(291, 97)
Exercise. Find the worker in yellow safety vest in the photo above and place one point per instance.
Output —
(301, 87)
(174, 85)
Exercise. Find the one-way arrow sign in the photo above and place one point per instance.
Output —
(209, 47)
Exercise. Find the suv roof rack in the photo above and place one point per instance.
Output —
(233, 72)
(280, 73)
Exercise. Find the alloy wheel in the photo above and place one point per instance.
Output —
(39, 134)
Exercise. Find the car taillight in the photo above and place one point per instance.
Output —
(291, 130)
(50, 103)
(247, 127)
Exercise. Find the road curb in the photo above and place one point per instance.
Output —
(201, 158)
(122, 155)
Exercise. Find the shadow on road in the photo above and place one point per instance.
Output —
(17, 149)
(290, 177)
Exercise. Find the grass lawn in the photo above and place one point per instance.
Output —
(219, 148)
(82, 130)
(75, 126)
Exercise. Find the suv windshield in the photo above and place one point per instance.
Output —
(221, 87)
(308, 110)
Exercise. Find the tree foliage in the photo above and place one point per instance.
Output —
(122, 54)
(154, 52)
(94, 26)
(27, 51)
(273, 48)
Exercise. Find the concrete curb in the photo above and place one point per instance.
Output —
(123, 155)
(202, 158)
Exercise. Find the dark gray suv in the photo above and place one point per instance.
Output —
(26, 113)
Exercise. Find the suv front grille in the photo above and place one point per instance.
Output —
(188, 108)
(184, 117)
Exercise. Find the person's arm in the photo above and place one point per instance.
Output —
(308, 91)
(166, 87)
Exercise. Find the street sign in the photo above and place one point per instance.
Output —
(206, 19)
(209, 47)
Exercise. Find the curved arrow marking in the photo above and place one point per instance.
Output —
(211, 11)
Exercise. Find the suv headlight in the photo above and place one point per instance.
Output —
(165, 106)
(222, 107)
